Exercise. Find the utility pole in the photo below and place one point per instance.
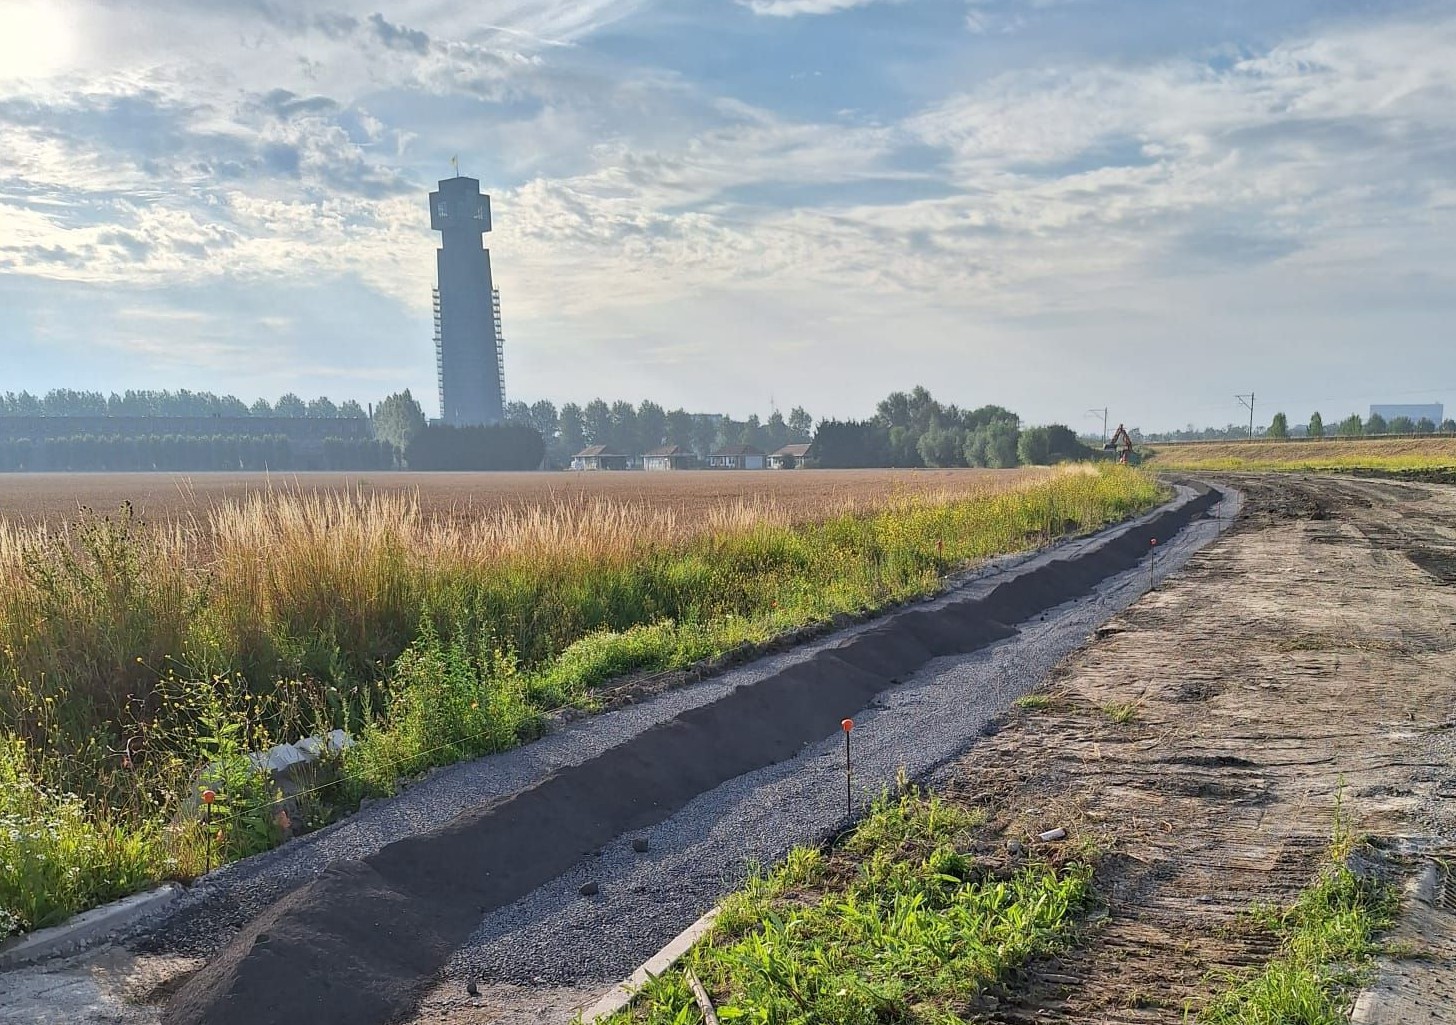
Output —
(1102, 413)
(1248, 400)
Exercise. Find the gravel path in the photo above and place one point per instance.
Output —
(203, 920)
(557, 940)
(554, 937)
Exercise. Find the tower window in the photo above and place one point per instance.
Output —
(442, 208)
(480, 213)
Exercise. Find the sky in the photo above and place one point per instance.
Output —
(730, 205)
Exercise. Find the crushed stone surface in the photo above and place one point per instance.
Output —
(557, 945)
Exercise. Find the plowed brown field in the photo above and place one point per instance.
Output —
(160, 496)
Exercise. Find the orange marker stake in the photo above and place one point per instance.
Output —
(847, 725)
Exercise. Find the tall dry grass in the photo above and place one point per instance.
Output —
(125, 645)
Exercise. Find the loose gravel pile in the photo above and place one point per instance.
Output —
(495, 854)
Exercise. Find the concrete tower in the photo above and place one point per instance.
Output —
(467, 308)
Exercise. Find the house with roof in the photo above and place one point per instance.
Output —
(668, 457)
(790, 457)
(598, 457)
(736, 457)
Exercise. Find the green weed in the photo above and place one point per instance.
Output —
(1122, 713)
(900, 924)
(1327, 943)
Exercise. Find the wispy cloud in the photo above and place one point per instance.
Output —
(250, 150)
(794, 8)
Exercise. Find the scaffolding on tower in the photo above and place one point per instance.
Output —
(500, 344)
(440, 351)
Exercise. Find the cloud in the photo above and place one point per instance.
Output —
(398, 37)
(794, 8)
(1021, 199)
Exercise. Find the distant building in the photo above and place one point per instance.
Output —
(468, 342)
(737, 457)
(668, 457)
(1432, 411)
(598, 457)
(790, 457)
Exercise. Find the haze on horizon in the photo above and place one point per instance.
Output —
(1046, 204)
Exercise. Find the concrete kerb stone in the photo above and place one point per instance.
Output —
(621, 994)
(87, 928)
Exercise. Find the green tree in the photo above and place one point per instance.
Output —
(751, 432)
(322, 408)
(1001, 437)
(943, 446)
(1034, 447)
(706, 427)
(1046, 446)
(651, 425)
(1316, 425)
(260, 408)
(987, 415)
(1448, 426)
(1401, 425)
(1351, 426)
(397, 419)
(775, 431)
(597, 423)
(1279, 426)
(351, 410)
(1376, 424)
(902, 449)
(623, 435)
(894, 410)
(546, 422)
(573, 433)
(1425, 425)
(680, 428)
(290, 405)
(801, 424)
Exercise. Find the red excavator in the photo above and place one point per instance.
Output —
(1121, 443)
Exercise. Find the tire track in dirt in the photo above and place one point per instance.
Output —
(1303, 656)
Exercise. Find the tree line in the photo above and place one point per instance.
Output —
(632, 430)
(1352, 426)
(193, 453)
(912, 429)
(561, 433)
(909, 429)
(69, 402)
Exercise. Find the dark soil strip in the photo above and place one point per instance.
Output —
(355, 946)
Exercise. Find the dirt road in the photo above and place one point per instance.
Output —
(1307, 654)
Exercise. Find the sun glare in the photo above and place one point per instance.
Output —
(37, 38)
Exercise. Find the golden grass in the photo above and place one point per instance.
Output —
(53, 498)
(1432, 452)
(130, 647)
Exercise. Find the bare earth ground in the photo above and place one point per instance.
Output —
(54, 497)
(1308, 652)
